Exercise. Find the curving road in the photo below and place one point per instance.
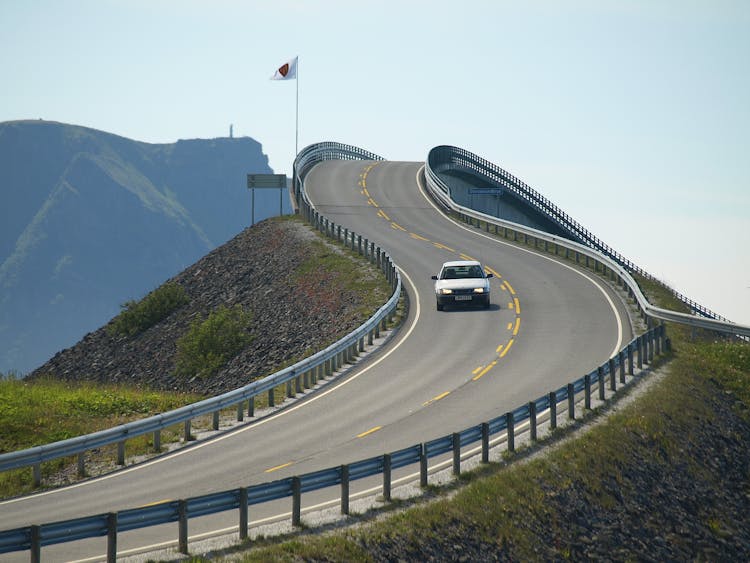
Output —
(548, 324)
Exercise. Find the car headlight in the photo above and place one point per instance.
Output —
(479, 290)
(446, 291)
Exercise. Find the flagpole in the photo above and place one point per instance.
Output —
(296, 115)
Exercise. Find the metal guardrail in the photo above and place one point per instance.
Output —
(640, 351)
(302, 373)
(591, 248)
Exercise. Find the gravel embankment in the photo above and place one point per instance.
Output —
(257, 269)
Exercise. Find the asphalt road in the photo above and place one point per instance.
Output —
(549, 323)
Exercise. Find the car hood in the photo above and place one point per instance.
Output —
(468, 283)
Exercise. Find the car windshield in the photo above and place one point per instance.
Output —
(459, 272)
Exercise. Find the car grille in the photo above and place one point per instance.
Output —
(462, 291)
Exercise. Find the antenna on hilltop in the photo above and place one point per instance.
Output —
(231, 131)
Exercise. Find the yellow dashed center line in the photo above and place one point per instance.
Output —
(371, 201)
(518, 305)
(477, 370)
(512, 291)
(485, 370)
(510, 343)
(499, 348)
(416, 236)
(510, 305)
(466, 257)
(441, 396)
(370, 431)
(518, 324)
(282, 466)
(443, 247)
(397, 226)
(382, 214)
(510, 326)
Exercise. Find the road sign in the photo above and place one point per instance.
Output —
(277, 181)
(266, 181)
(486, 191)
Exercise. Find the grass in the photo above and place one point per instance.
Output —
(48, 411)
(138, 316)
(327, 267)
(211, 342)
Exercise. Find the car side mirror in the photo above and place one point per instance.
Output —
(434, 277)
(489, 275)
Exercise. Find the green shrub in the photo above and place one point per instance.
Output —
(138, 316)
(211, 343)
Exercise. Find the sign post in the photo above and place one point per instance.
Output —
(266, 181)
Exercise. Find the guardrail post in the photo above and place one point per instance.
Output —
(112, 537)
(306, 379)
(37, 474)
(344, 489)
(81, 464)
(600, 378)
(251, 407)
(587, 392)
(552, 410)
(639, 346)
(630, 359)
(612, 375)
(359, 244)
(621, 359)
(387, 477)
(182, 526)
(240, 412)
(157, 441)
(35, 546)
(510, 431)
(215, 424)
(571, 402)
(121, 452)
(532, 420)
(422, 465)
(296, 501)
(271, 398)
(298, 384)
(485, 442)
(456, 439)
(650, 346)
(243, 513)
(186, 431)
(657, 340)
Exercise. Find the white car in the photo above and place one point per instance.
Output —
(462, 282)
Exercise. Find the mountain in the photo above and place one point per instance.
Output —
(89, 220)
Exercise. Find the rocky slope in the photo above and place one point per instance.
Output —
(259, 270)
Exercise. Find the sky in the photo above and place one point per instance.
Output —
(633, 117)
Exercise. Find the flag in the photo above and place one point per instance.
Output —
(287, 71)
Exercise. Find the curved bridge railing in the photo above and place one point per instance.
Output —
(302, 374)
(447, 157)
(596, 253)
